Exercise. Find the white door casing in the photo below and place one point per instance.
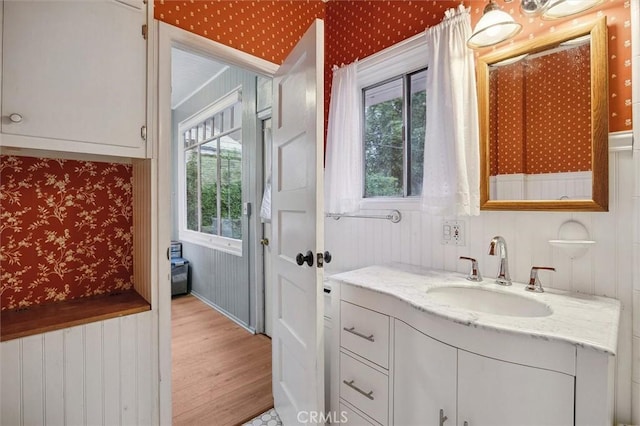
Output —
(297, 218)
(169, 36)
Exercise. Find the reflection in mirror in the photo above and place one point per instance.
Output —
(544, 128)
(540, 130)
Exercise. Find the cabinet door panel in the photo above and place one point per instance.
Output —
(75, 71)
(498, 393)
(424, 378)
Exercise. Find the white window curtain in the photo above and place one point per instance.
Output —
(451, 182)
(344, 155)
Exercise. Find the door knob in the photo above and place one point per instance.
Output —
(264, 241)
(327, 257)
(300, 258)
(15, 118)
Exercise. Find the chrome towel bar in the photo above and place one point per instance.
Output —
(394, 216)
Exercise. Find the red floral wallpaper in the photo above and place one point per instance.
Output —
(65, 230)
(559, 79)
(267, 29)
(507, 85)
(358, 28)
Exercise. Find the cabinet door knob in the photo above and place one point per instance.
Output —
(15, 118)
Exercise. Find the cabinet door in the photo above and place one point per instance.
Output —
(498, 393)
(424, 379)
(75, 71)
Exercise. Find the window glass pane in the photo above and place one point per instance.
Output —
(193, 135)
(417, 123)
(383, 146)
(226, 120)
(208, 128)
(217, 124)
(191, 179)
(187, 139)
(231, 185)
(237, 115)
(208, 187)
(201, 132)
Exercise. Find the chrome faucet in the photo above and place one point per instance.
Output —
(534, 282)
(499, 246)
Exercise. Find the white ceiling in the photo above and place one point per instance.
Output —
(189, 72)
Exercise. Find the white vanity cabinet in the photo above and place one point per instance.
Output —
(74, 76)
(363, 363)
(424, 378)
(430, 376)
(397, 363)
(498, 393)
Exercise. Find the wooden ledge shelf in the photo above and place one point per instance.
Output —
(55, 316)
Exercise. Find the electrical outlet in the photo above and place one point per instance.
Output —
(453, 232)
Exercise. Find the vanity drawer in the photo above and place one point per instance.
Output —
(365, 388)
(351, 417)
(365, 332)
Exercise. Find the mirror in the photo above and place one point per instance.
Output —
(543, 110)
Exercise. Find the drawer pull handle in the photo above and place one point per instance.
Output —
(352, 330)
(357, 389)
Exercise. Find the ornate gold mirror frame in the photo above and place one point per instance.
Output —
(599, 118)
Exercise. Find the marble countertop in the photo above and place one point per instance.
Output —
(579, 319)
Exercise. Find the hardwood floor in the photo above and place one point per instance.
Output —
(221, 372)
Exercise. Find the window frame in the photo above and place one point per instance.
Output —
(216, 242)
(404, 57)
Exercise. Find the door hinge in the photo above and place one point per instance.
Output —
(144, 31)
(320, 258)
(143, 133)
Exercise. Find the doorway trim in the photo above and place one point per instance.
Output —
(167, 36)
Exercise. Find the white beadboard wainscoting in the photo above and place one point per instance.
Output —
(97, 374)
(605, 270)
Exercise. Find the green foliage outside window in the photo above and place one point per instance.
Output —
(213, 177)
(384, 133)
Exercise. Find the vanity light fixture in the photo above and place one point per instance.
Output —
(560, 8)
(494, 27)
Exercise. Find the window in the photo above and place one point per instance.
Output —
(211, 202)
(393, 133)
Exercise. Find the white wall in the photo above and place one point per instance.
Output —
(99, 374)
(605, 270)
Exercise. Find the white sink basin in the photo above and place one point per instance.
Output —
(489, 301)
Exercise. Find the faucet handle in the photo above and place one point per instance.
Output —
(534, 282)
(474, 274)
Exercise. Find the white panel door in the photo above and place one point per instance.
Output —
(75, 73)
(498, 393)
(297, 218)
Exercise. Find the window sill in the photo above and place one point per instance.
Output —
(55, 316)
(214, 242)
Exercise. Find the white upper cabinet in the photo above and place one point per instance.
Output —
(74, 76)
